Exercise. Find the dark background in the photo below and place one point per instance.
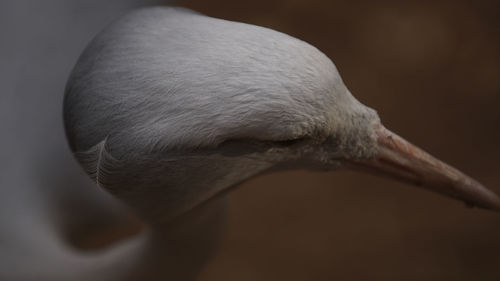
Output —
(430, 68)
(432, 71)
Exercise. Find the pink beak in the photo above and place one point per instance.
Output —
(399, 159)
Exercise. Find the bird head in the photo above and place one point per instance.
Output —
(167, 108)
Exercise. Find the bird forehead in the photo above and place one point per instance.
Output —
(198, 79)
(176, 46)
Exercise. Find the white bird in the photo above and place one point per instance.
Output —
(168, 109)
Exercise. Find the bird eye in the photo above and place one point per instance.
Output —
(241, 146)
(290, 142)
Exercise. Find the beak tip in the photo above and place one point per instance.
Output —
(492, 203)
(496, 206)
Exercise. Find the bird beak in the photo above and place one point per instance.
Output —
(399, 159)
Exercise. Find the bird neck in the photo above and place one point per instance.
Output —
(176, 250)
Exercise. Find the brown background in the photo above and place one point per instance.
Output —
(432, 71)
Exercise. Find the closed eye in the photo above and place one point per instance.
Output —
(290, 142)
(244, 146)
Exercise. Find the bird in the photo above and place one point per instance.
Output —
(169, 110)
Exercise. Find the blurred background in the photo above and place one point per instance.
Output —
(432, 71)
(430, 68)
